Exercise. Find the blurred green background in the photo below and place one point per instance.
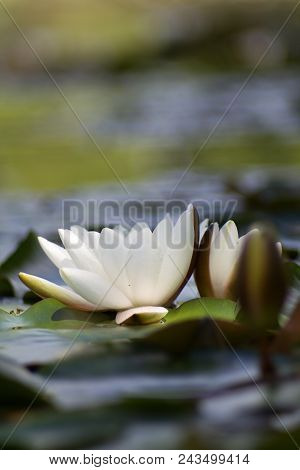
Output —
(149, 80)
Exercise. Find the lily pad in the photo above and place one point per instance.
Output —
(109, 332)
(185, 337)
(50, 314)
(32, 347)
(204, 307)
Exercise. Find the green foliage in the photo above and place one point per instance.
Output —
(206, 333)
(49, 313)
(217, 309)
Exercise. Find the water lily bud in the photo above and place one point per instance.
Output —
(215, 272)
(202, 271)
(261, 285)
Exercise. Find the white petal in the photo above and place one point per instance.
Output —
(83, 257)
(95, 289)
(90, 239)
(94, 241)
(230, 233)
(202, 228)
(162, 234)
(184, 230)
(224, 253)
(121, 229)
(140, 226)
(114, 257)
(215, 232)
(143, 267)
(177, 258)
(58, 255)
(46, 289)
(144, 315)
(81, 232)
(110, 238)
(136, 235)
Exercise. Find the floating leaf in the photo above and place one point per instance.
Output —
(32, 347)
(204, 307)
(183, 337)
(110, 332)
(50, 314)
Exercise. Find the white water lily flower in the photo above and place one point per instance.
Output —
(216, 265)
(136, 272)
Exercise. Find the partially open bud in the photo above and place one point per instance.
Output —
(202, 271)
(261, 283)
(215, 271)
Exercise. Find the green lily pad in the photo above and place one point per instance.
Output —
(204, 307)
(50, 314)
(204, 333)
(108, 332)
(33, 347)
